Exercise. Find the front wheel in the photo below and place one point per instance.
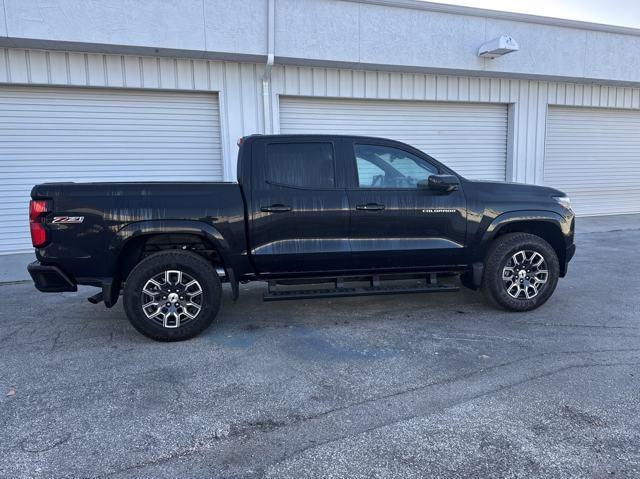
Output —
(172, 295)
(521, 272)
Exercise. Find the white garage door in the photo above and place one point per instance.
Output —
(470, 138)
(593, 155)
(60, 134)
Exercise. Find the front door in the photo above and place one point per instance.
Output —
(395, 224)
(298, 207)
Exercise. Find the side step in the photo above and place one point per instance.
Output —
(341, 290)
(96, 298)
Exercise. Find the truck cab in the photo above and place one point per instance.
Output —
(322, 205)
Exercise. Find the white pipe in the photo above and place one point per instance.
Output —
(266, 77)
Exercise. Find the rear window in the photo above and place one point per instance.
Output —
(304, 165)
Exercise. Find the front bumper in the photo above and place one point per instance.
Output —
(564, 265)
(50, 279)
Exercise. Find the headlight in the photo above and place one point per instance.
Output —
(563, 201)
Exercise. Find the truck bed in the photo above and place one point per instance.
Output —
(114, 213)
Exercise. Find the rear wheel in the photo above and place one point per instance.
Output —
(521, 272)
(172, 295)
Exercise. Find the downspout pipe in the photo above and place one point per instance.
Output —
(266, 77)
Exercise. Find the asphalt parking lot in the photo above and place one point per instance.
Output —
(436, 385)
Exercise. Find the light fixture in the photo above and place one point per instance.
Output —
(498, 47)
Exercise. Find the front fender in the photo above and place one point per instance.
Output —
(490, 226)
(524, 215)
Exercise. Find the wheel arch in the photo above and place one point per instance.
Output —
(130, 243)
(547, 225)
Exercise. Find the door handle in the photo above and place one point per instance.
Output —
(370, 207)
(275, 208)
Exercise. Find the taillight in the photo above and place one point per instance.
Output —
(37, 208)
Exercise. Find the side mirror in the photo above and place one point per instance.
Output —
(441, 183)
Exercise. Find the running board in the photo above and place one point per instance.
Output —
(341, 291)
(96, 298)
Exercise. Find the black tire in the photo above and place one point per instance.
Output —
(500, 255)
(191, 266)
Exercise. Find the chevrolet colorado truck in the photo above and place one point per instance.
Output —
(312, 215)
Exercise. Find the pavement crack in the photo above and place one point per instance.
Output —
(151, 462)
(594, 326)
(54, 346)
(27, 445)
(250, 431)
(453, 404)
(9, 335)
(460, 377)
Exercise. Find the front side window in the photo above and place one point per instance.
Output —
(388, 167)
(303, 165)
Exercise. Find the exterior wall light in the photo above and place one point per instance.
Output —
(498, 47)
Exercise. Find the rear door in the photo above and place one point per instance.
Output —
(395, 224)
(298, 209)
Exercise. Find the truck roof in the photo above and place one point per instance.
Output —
(314, 135)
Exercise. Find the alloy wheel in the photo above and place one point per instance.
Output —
(525, 274)
(172, 298)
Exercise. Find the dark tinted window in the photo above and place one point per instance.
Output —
(307, 165)
(387, 167)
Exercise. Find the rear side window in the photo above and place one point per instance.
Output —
(304, 165)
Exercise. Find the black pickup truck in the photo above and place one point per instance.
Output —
(314, 216)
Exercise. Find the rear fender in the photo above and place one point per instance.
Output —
(153, 227)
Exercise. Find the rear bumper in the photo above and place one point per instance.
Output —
(50, 279)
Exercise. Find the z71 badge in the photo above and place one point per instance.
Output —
(67, 219)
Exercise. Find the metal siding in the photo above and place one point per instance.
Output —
(72, 134)
(593, 155)
(525, 135)
(241, 104)
(238, 85)
(471, 138)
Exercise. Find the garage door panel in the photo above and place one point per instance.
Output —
(593, 155)
(98, 95)
(470, 138)
(60, 134)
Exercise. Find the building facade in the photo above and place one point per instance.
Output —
(155, 90)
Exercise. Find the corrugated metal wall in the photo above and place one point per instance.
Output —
(593, 155)
(240, 90)
(239, 84)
